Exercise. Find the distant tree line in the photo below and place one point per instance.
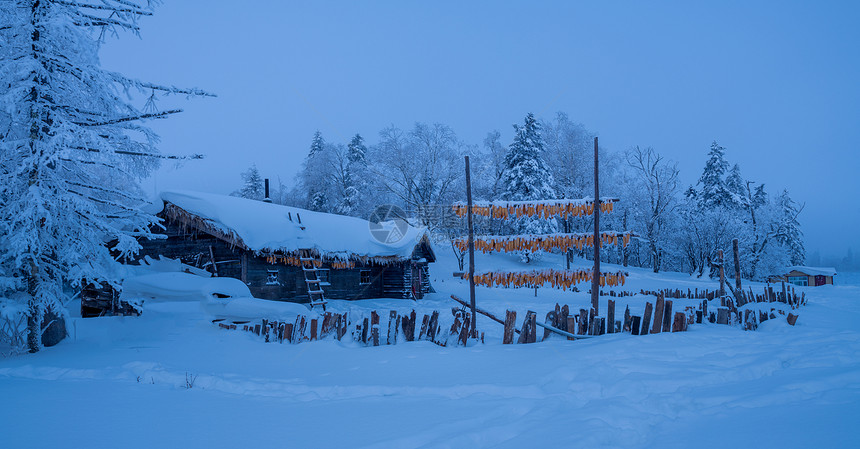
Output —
(421, 170)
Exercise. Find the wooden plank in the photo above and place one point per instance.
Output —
(288, 332)
(583, 322)
(466, 330)
(680, 322)
(433, 326)
(626, 325)
(341, 325)
(365, 330)
(658, 315)
(646, 319)
(562, 318)
(510, 323)
(722, 315)
(667, 316)
(409, 327)
(635, 323)
(392, 328)
(374, 327)
(571, 325)
(314, 329)
(791, 318)
(532, 318)
(610, 317)
(425, 322)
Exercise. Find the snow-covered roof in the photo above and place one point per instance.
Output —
(269, 228)
(814, 271)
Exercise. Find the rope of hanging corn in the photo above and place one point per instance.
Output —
(545, 242)
(563, 279)
(296, 262)
(541, 209)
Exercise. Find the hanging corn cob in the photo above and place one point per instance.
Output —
(545, 242)
(541, 209)
(563, 279)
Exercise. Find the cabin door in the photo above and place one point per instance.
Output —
(820, 280)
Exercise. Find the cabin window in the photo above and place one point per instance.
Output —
(799, 280)
(272, 277)
(364, 277)
(322, 275)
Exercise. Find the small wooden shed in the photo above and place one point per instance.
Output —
(291, 254)
(809, 276)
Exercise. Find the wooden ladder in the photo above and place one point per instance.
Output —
(309, 268)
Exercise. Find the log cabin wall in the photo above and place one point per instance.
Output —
(280, 282)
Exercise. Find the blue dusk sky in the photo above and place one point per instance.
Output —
(776, 83)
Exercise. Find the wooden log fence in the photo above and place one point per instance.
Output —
(368, 330)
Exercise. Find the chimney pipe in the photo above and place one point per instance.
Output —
(266, 199)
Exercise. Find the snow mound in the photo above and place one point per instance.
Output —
(170, 287)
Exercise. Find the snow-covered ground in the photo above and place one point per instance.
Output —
(123, 382)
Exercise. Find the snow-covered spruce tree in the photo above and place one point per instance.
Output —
(252, 185)
(71, 148)
(526, 176)
(792, 236)
(353, 178)
(315, 178)
(714, 192)
(317, 144)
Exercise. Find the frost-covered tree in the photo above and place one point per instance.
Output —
(714, 192)
(357, 150)
(657, 181)
(317, 144)
(526, 176)
(252, 185)
(736, 187)
(72, 148)
(492, 164)
(421, 169)
(569, 153)
(792, 236)
(353, 179)
(315, 177)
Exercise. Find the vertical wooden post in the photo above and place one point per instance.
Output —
(474, 330)
(737, 265)
(214, 266)
(567, 251)
(510, 324)
(244, 274)
(667, 316)
(610, 317)
(646, 319)
(722, 274)
(658, 315)
(595, 279)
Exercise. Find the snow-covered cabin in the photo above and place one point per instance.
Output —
(814, 276)
(267, 245)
